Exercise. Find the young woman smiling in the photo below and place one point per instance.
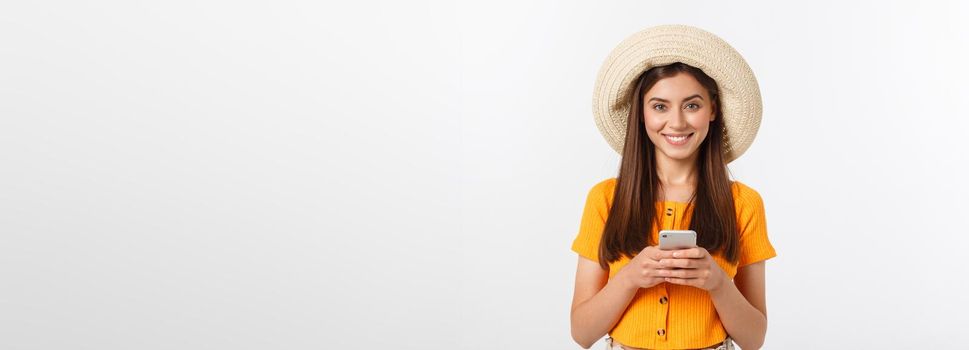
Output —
(678, 104)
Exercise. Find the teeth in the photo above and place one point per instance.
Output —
(677, 138)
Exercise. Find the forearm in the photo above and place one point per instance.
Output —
(595, 317)
(746, 325)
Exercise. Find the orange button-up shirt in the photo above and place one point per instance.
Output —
(672, 316)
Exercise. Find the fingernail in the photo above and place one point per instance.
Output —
(677, 254)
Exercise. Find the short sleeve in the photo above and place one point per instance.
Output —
(752, 222)
(593, 222)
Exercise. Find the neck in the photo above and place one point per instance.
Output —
(676, 172)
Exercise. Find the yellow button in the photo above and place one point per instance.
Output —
(661, 332)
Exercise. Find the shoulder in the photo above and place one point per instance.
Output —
(745, 196)
(602, 191)
(607, 185)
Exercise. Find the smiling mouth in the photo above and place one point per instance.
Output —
(677, 140)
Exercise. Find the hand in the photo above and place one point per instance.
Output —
(643, 270)
(695, 268)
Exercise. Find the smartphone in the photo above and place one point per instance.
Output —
(677, 239)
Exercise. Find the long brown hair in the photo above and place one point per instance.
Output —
(628, 227)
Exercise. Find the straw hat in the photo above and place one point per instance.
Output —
(661, 45)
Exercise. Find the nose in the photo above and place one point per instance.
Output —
(678, 120)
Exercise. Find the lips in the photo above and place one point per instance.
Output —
(678, 139)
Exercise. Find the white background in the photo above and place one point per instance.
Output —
(299, 175)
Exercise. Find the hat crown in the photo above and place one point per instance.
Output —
(661, 45)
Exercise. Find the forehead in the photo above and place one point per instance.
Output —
(675, 87)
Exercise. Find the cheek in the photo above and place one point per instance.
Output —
(653, 124)
(701, 124)
(703, 134)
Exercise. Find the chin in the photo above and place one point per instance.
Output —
(680, 155)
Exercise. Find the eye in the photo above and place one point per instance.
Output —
(696, 106)
(659, 107)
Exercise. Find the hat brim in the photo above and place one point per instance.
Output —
(661, 45)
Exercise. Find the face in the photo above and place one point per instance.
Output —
(677, 112)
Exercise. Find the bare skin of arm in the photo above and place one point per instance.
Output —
(741, 303)
(599, 301)
(742, 306)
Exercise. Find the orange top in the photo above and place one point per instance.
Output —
(686, 318)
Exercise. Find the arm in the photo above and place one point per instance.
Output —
(598, 302)
(742, 306)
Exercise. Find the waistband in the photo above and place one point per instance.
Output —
(727, 344)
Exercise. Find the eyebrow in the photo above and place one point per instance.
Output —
(684, 100)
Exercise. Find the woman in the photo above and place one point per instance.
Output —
(678, 103)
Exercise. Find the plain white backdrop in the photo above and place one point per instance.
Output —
(304, 175)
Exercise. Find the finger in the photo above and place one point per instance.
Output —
(657, 254)
(651, 264)
(684, 281)
(680, 263)
(692, 253)
(681, 273)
